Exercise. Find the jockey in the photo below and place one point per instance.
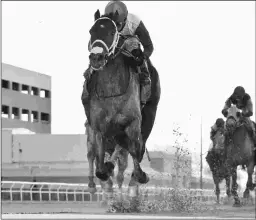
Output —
(218, 125)
(242, 101)
(129, 24)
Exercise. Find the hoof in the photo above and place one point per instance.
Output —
(133, 191)
(143, 178)
(92, 190)
(102, 176)
(110, 167)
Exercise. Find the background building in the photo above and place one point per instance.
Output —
(26, 99)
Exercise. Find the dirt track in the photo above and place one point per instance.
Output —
(43, 208)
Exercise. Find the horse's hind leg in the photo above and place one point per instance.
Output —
(110, 163)
(228, 189)
(234, 187)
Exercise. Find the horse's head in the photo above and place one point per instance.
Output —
(232, 118)
(103, 40)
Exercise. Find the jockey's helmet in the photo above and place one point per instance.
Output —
(239, 92)
(117, 6)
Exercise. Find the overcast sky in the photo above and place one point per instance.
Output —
(203, 50)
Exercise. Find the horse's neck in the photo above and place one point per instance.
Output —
(114, 78)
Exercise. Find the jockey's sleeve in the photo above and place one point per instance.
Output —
(145, 39)
(248, 109)
(227, 104)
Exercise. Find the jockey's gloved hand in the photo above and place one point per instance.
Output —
(138, 56)
(224, 112)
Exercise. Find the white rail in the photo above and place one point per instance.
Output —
(45, 191)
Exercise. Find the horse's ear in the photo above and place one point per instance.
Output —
(96, 15)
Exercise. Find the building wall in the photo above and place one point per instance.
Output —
(26, 99)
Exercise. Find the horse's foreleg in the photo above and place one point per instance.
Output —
(235, 187)
(249, 184)
(228, 190)
(122, 166)
(91, 159)
(101, 171)
(91, 156)
(217, 188)
(133, 132)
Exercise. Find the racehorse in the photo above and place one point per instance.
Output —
(216, 161)
(114, 106)
(239, 150)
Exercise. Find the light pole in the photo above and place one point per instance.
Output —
(201, 156)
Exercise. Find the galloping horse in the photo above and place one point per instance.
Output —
(239, 150)
(114, 106)
(216, 160)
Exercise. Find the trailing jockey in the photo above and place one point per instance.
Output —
(242, 101)
(218, 125)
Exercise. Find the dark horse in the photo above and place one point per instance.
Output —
(114, 108)
(238, 150)
(216, 160)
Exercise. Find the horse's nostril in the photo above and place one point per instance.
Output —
(100, 57)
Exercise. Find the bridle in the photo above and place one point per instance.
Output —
(110, 50)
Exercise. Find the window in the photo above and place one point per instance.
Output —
(47, 94)
(15, 86)
(25, 89)
(44, 93)
(15, 113)
(5, 111)
(45, 117)
(25, 115)
(5, 84)
(34, 116)
(34, 91)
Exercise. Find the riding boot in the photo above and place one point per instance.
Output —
(145, 83)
